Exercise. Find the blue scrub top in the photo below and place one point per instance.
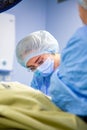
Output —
(41, 83)
(68, 87)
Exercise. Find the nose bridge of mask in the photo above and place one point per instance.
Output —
(47, 67)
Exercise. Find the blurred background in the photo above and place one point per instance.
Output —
(59, 17)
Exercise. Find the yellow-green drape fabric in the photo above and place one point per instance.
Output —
(24, 108)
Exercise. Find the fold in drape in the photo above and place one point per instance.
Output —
(24, 108)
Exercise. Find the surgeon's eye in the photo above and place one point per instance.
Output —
(31, 68)
(39, 60)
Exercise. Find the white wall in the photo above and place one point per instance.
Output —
(62, 20)
(7, 41)
(29, 17)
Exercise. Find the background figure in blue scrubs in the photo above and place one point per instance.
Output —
(38, 52)
(68, 87)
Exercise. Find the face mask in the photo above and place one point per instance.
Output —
(46, 68)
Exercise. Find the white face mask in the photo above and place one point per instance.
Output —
(46, 68)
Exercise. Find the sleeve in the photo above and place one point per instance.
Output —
(65, 98)
(68, 87)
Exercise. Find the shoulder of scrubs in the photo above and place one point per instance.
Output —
(73, 67)
(37, 82)
(41, 83)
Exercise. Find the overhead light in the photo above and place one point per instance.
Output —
(60, 1)
(7, 4)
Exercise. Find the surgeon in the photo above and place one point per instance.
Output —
(39, 53)
(68, 87)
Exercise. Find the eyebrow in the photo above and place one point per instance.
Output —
(37, 59)
(31, 66)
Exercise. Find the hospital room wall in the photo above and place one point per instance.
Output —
(29, 16)
(59, 19)
(62, 20)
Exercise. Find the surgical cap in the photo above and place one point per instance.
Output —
(83, 3)
(37, 43)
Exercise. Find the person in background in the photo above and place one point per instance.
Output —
(39, 52)
(68, 87)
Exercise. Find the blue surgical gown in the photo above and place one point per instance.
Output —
(41, 83)
(68, 87)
